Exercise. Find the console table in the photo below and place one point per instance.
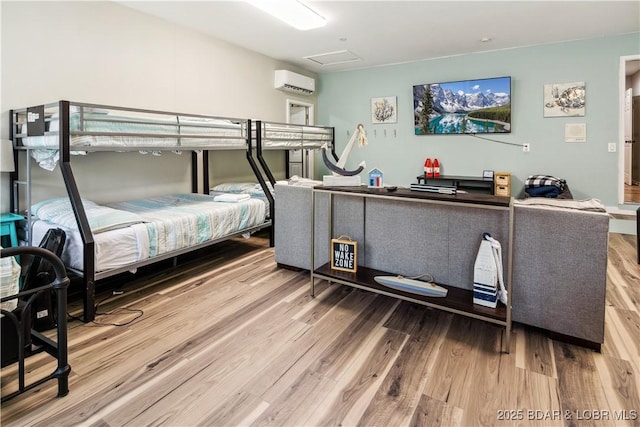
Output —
(452, 210)
(468, 183)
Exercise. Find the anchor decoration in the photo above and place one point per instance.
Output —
(338, 169)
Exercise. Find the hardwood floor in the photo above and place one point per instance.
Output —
(632, 193)
(234, 340)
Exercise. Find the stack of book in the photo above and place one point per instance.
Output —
(442, 189)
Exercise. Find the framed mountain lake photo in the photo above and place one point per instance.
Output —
(467, 106)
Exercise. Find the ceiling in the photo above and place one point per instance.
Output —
(380, 33)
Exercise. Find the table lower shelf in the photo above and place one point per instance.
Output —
(458, 300)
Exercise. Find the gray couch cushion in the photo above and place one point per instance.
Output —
(442, 240)
(559, 270)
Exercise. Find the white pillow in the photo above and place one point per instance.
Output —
(51, 208)
(235, 187)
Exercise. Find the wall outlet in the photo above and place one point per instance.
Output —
(612, 147)
(525, 148)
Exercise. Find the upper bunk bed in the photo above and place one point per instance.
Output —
(268, 136)
(274, 136)
(108, 239)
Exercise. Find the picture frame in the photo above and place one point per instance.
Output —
(463, 107)
(384, 110)
(487, 174)
(564, 99)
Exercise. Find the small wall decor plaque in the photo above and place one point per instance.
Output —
(564, 99)
(384, 110)
(344, 254)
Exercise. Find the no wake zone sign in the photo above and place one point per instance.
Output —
(344, 254)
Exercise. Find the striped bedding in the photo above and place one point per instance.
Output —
(183, 220)
(166, 223)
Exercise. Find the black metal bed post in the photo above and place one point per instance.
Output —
(205, 171)
(333, 144)
(194, 172)
(261, 159)
(88, 277)
(13, 176)
(263, 183)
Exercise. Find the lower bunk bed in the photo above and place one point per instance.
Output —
(131, 234)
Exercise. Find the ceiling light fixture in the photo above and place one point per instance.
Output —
(293, 12)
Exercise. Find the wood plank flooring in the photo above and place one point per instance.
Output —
(632, 193)
(230, 339)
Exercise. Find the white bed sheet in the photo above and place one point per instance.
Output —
(113, 249)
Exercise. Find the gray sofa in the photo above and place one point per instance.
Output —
(560, 270)
(559, 256)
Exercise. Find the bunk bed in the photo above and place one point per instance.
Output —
(274, 136)
(105, 240)
(270, 136)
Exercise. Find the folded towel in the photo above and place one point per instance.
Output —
(544, 191)
(534, 181)
(231, 198)
(594, 205)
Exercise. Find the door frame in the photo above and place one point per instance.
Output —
(308, 105)
(308, 158)
(622, 79)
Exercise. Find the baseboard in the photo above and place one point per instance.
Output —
(623, 220)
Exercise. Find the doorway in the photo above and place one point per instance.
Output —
(629, 175)
(300, 162)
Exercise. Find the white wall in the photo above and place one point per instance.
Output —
(106, 53)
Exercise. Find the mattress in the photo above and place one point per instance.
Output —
(120, 127)
(92, 128)
(166, 223)
(183, 220)
(139, 131)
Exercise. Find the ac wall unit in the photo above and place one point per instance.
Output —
(294, 82)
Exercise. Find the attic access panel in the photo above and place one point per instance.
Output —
(331, 58)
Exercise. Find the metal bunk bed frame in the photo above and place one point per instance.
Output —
(300, 141)
(89, 275)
